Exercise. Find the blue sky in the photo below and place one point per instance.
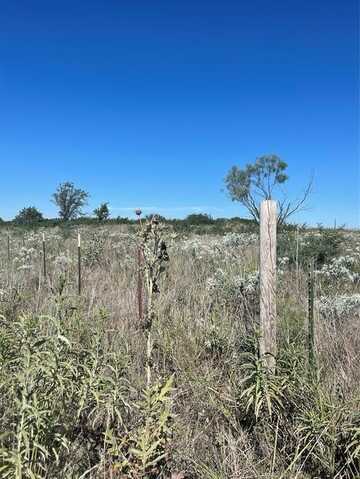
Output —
(149, 103)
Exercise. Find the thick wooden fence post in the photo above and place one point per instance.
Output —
(268, 223)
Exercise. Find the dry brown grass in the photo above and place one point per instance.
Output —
(201, 341)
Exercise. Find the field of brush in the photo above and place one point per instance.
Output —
(90, 390)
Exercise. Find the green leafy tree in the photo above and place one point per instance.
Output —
(102, 212)
(259, 181)
(69, 200)
(28, 215)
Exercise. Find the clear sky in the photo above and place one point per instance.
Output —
(149, 103)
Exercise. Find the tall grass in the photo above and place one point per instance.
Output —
(76, 400)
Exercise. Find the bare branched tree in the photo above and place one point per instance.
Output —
(258, 181)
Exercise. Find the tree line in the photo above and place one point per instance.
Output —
(69, 200)
(262, 179)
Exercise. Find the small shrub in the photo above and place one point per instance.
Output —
(322, 246)
(28, 215)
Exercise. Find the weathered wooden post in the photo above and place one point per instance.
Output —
(311, 320)
(8, 259)
(268, 223)
(44, 255)
(79, 263)
(297, 259)
(139, 278)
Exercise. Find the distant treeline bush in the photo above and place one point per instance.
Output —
(198, 223)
